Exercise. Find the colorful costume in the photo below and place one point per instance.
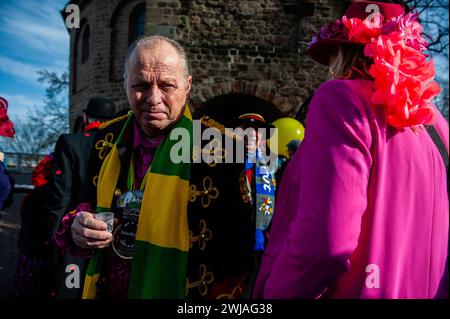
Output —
(6, 180)
(358, 193)
(189, 238)
(362, 211)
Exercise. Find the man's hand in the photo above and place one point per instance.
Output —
(88, 232)
(2, 157)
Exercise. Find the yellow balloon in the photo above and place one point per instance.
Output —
(288, 129)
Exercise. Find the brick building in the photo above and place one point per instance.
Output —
(255, 48)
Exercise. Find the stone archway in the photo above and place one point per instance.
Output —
(265, 90)
(224, 108)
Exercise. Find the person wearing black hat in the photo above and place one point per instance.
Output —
(68, 175)
(255, 130)
(98, 109)
(257, 180)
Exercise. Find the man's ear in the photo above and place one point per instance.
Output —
(189, 86)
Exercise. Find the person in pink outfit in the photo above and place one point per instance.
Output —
(6, 180)
(363, 210)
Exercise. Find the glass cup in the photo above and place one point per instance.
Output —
(108, 218)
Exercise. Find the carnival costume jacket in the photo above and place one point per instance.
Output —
(194, 234)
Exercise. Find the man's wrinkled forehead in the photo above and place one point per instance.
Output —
(163, 58)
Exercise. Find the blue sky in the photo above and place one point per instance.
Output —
(33, 37)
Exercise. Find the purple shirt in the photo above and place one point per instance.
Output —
(144, 150)
(362, 210)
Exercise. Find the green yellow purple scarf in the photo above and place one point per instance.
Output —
(162, 240)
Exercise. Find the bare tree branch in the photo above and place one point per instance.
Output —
(42, 126)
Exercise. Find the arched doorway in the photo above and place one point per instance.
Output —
(227, 107)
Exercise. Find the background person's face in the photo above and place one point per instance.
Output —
(156, 87)
(253, 140)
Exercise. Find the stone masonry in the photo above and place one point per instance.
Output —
(256, 47)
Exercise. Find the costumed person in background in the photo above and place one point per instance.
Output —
(32, 278)
(257, 181)
(6, 180)
(69, 174)
(6, 185)
(178, 234)
(363, 210)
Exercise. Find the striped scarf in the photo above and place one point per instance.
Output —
(160, 253)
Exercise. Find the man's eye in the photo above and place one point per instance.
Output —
(166, 85)
(139, 86)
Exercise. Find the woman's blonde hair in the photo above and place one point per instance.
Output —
(349, 62)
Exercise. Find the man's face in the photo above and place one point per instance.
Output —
(156, 87)
(253, 140)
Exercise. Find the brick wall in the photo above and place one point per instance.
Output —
(253, 47)
(101, 74)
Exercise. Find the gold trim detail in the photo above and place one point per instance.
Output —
(204, 236)
(209, 122)
(210, 153)
(117, 119)
(206, 278)
(246, 194)
(104, 145)
(238, 288)
(207, 194)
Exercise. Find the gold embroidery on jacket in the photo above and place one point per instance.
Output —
(237, 291)
(207, 194)
(209, 122)
(206, 278)
(103, 146)
(211, 154)
(95, 180)
(117, 119)
(204, 236)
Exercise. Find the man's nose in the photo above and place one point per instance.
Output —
(153, 95)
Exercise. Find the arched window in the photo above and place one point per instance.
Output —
(76, 63)
(85, 44)
(131, 14)
(137, 22)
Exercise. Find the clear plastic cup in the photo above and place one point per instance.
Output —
(108, 218)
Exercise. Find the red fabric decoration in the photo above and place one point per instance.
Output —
(41, 173)
(403, 76)
(6, 126)
(93, 125)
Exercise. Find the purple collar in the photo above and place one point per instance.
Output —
(140, 140)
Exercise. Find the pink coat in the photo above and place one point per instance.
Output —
(363, 210)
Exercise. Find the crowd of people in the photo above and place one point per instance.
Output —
(357, 209)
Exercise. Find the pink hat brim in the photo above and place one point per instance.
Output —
(320, 51)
